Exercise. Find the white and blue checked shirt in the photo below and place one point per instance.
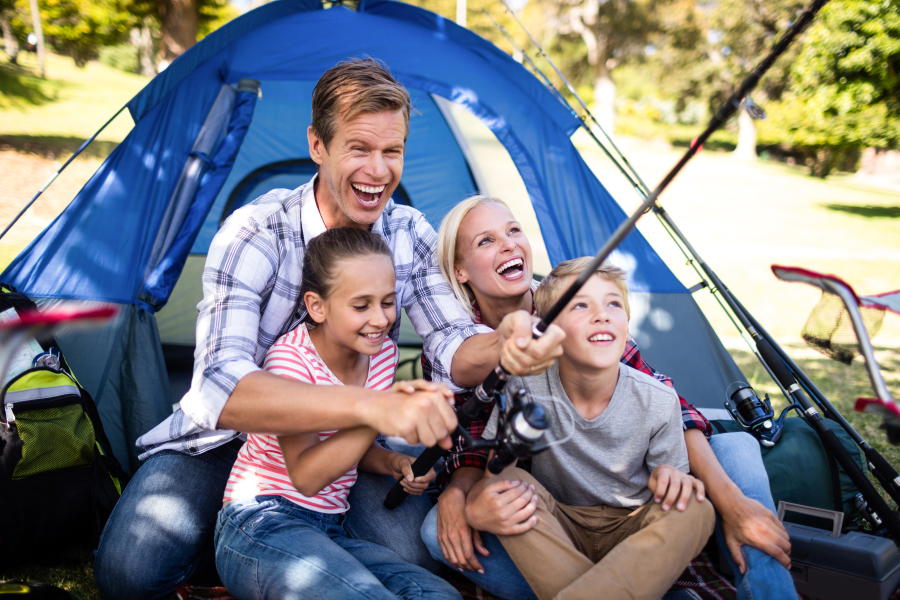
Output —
(251, 296)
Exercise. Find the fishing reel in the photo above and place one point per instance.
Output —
(754, 416)
(520, 430)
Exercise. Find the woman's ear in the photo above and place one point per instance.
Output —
(315, 306)
(460, 275)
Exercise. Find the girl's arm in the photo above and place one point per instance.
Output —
(313, 465)
(399, 466)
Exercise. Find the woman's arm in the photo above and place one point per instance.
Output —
(313, 465)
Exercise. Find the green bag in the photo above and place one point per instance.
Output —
(801, 471)
(58, 478)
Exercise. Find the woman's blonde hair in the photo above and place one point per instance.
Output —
(559, 279)
(448, 252)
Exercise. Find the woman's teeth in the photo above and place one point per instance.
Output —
(516, 263)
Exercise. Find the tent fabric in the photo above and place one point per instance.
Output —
(120, 240)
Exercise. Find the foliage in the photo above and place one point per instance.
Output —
(214, 14)
(123, 57)
(846, 85)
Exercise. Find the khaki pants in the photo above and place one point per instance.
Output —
(638, 553)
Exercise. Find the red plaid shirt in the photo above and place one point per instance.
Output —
(461, 456)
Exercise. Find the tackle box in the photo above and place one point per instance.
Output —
(831, 566)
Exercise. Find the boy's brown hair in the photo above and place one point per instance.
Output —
(553, 286)
(353, 87)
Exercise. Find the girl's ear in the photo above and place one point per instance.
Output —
(315, 306)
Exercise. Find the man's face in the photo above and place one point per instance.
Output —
(360, 169)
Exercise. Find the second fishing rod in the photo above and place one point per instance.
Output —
(491, 389)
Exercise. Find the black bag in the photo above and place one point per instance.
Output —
(59, 479)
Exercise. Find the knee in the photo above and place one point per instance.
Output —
(515, 474)
(735, 441)
(702, 516)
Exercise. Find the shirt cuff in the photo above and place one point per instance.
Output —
(204, 402)
(447, 351)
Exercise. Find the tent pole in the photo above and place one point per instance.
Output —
(60, 170)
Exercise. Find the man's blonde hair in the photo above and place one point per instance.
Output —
(448, 251)
(561, 277)
(354, 87)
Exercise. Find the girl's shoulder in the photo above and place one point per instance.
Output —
(293, 348)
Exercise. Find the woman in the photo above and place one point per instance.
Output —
(487, 260)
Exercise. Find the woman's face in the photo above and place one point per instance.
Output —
(494, 254)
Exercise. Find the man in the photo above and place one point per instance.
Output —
(159, 535)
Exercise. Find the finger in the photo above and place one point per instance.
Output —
(701, 489)
(479, 545)
(427, 477)
(406, 470)
(411, 488)
(736, 555)
(672, 493)
(523, 526)
(662, 484)
(526, 512)
(778, 554)
(687, 489)
(501, 485)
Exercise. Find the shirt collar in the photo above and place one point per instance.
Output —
(311, 218)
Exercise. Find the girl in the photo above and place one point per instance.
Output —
(280, 532)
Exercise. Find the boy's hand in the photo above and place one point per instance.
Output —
(503, 508)
(520, 353)
(401, 469)
(672, 487)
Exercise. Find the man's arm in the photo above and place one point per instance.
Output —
(744, 520)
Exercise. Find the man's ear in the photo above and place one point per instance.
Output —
(315, 306)
(316, 146)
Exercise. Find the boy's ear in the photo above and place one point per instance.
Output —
(315, 306)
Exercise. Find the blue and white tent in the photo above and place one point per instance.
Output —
(204, 144)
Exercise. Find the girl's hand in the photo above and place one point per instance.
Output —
(401, 469)
(672, 487)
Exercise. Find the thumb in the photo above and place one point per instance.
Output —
(406, 469)
(734, 547)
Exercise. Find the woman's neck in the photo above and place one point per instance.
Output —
(589, 390)
(348, 365)
(494, 309)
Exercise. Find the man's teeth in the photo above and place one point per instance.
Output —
(516, 262)
(368, 189)
(601, 337)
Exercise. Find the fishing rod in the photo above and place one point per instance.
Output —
(492, 387)
(876, 463)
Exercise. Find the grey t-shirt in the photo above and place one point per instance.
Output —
(608, 459)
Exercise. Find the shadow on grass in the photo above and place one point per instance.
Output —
(870, 212)
(55, 146)
(21, 88)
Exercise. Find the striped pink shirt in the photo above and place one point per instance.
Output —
(260, 469)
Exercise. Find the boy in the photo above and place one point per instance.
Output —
(627, 447)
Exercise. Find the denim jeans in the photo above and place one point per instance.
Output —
(270, 547)
(501, 576)
(160, 534)
(740, 457)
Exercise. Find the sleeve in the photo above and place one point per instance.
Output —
(667, 445)
(690, 416)
(240, 269)
(433, 309)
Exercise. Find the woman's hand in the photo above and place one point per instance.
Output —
(671, 486)
(502, 507)
(400, 467)
(520, 353)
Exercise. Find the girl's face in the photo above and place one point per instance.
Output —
(494, 256)
(362, 306)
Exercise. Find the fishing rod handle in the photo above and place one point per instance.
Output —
(884, 472)
(420, 466)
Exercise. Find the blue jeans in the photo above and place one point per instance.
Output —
(501, 576)
(160, 534)
(740, 457)
(270, 547)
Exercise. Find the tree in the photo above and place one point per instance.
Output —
(10, 43)
(79, 28)
(845, 92)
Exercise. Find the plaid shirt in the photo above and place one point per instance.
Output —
(462, 456)
(251, 297)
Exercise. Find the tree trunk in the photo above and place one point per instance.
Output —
(178, 31)
(142, 39)
(39, 34)
(9, 40)
(605, 98)
(746, 146)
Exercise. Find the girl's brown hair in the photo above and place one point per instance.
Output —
(326, 251)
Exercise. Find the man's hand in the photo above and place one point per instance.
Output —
(671, 487)
(421, 412)
(520, 353)
(400, 466)
(746, 521)
(502, 507)
(458, 541)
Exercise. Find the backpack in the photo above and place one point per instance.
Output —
(59, 479)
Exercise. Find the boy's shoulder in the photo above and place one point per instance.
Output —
(631, 376)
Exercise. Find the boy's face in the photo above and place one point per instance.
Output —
(596, 325)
